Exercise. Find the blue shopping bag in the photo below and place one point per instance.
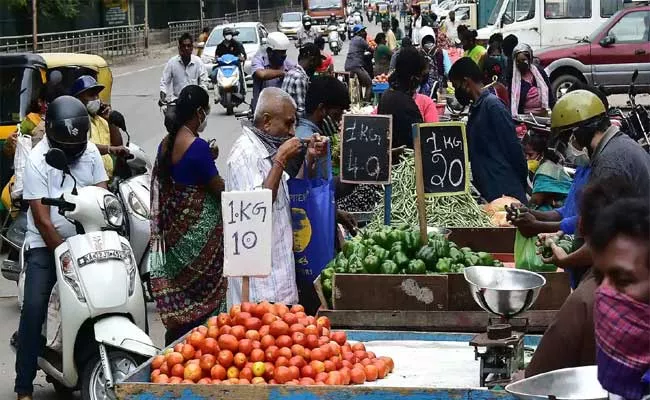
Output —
(313, 213)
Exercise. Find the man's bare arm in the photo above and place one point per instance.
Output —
(41, 214)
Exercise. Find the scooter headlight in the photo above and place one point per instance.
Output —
(113, 211)
(138, 206)
(131, 269)
(69, 272)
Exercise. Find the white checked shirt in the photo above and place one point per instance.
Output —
(177, 75)
(249, 163)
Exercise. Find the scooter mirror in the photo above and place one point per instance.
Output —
(56, 158)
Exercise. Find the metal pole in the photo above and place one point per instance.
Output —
(34, 25)
(201, 14)
(259, 17)
(236, 10)
(146, 24)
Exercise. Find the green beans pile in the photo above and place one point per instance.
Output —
(447, 211)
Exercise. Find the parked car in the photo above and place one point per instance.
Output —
(607, 57)
(251, 34)
(289, 23)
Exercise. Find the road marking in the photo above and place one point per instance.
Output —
(140, 70)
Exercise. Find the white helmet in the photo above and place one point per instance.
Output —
(427, 31)
(277, 41)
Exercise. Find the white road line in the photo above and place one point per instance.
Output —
(139, 70)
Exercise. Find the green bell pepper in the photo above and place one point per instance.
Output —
(361, 252)
(397, 247)
(401, 259)
(471, 259)
(466, 250)
(457, 268)
(355, 264)
(327, 273)
(342, 265)
(428, 255)
(416, 267)
(443, 265)
(371, 264)
(349, 247)
(395, 236)
(566, 245)
(380, 252)
(485, 258)
(456, 255)
(412, 242)
(497, 263)
(380, 238)
(441, 247)
(327, 289)
(389, 267)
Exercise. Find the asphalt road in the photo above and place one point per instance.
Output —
(135, 94)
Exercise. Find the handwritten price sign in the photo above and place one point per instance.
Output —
(247, 229)
(366, 149)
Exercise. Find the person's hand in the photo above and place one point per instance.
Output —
(542, 238)
(289, 149)
(347, 220)
(119, 151)
(214, 149)
(317, 146)
(558, 258)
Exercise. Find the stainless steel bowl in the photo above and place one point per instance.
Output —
(503, 291)
(579, 383)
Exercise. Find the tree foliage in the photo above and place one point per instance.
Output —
(49, 8)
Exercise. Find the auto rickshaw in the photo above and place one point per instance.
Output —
(425, 7)
(383, 12)
(22, 78)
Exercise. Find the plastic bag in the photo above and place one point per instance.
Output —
(23, 148)
(526, 256)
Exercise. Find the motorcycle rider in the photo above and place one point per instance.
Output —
(86, 89)
(67, 127)
(306, 34)
(270, 64)
(230, 45)
(355, 60)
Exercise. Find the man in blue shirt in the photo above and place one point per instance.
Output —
(355, 61)
(497, 159)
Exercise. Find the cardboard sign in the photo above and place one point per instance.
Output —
(366, 155)
(443, 158)
(247, 230)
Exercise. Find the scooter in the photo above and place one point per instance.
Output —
(351, 25)
(227, 89)
(334, 39)
(102, 306)
(342, 29)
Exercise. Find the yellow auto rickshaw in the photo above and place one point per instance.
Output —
(383, 11)
(22, 79)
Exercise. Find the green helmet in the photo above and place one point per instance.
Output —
(577, 108)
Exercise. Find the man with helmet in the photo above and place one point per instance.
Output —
(66, 126)
(230, 45)
(306, 34)
(355, 60)
(270, 64)
(86, 89)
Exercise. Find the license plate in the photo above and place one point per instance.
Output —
(101, 255)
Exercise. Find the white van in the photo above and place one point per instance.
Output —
(542, 23)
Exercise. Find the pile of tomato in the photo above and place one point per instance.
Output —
(268, 344)
(382, 78)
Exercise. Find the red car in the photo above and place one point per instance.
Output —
(607, 57)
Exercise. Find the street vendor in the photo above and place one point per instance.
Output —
(497, 159)
(266, 155)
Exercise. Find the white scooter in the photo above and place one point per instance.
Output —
(102, 306)
(334, 39)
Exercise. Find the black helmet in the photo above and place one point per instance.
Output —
(67, 125)
(228, 31)
(306, 19)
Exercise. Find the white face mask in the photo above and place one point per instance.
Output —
(228, 37)
(428, 46)
(93, 106)
(204, 123)
(579, 157)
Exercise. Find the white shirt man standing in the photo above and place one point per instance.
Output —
(182, 70)
(450, 26)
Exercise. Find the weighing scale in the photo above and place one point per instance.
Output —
(505, 293)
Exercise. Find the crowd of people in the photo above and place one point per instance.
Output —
(296, 112)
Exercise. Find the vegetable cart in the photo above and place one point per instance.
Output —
(427, 366)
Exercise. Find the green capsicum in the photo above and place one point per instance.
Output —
(441, 247)
(428, 255)
(397, 247)
(457, 268)
(355, 264)
(342, 265)
(380, 238)
(389, 267)
(412, 242)
(497, 263)
(401, 259)
(444, 265)
(371, 264)
(327, 288)
(471, 259)
(349, 247)
(395, 236)
(361, 252)
(456, 255)
(485, 258)
(327, 273)
(380, 252)
(416, 267)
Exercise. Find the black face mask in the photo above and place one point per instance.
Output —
(73, 152)
(277, 59)
(462, 95)
(523, 66)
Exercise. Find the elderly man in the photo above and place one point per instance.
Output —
(266, 155)
(182, 70)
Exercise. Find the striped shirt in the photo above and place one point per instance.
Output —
(249, 163)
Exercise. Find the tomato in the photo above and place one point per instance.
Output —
(371, 355)
(382, 370)
(297, 308)
(267, 341)
(213, 321)
(238, 331)
(294, 372)
(283, 341)
(204, 381)
(334, 378)
(269, 370)
(175, 380)
(285, 352)
(241, 318)
(271, 353)
(339, 337)
(218, 372)
(232, 372)
(236, 309)
(299, 338)
(258, 368)
(162, 378)
(164, 369)
(209, 346)
(245, 346)
(178, 370)
(345, 375)
(207, 362)
(246, 373)
(253, 335)
(154, 374)
(306, 381)
(225, 358)
(298, 350)
(358, 376)
(187, 352)
(282, 361)
(329, 366)
(239, 360)
(389, 363)
(318, 354)
(257, 355)
(312, 341)
(311, 330)
(223, 319)
(213, 332)
(174, 358)
(253, 324)
(278, 328)
(358, 346)
(281, 309)
(308, 371)
(298, 361)
(282, 374)
(196, 339)
(247, 307)
(258, 380)
(193, 372)
(321, 377)
(157, 361)
(228, 342)
(371, 373)
(224, 329)
(318, 366)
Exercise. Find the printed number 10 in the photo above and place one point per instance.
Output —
(248, 241)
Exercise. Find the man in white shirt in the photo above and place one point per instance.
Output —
(450, 26)
(263, 157)
(67, 125)
(182, 70)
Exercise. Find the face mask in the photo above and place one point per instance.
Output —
(463, 96)
(523, 66)
(228, 37)
(277, 59)
(428, 46)
(93, 106)
(576, 156)
(204, 123)
(533, 165)
(307, 26)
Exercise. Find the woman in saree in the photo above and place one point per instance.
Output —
(186, 228)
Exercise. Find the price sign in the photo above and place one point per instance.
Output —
(443, 158)
(366, 149)
(247, 230)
